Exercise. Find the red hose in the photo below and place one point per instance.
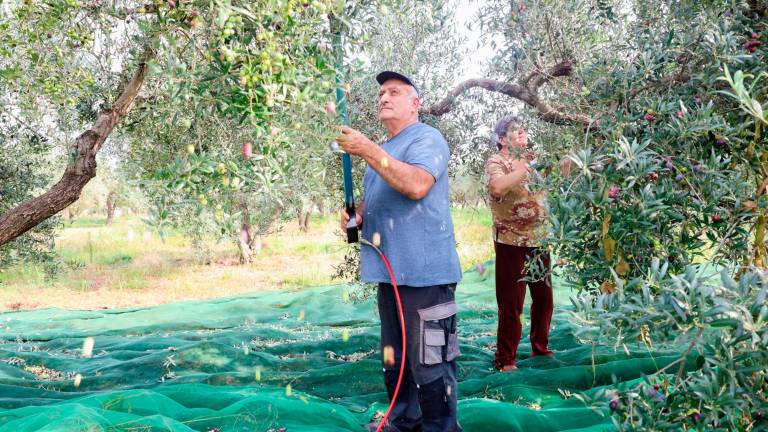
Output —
(402, 328)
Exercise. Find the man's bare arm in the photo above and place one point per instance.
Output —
(409, 180)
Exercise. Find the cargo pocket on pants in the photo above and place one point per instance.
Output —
(434, 329)
(434, 341)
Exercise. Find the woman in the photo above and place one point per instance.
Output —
(519, 224)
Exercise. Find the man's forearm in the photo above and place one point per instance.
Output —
(405, 178)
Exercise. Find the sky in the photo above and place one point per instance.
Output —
(473, 65)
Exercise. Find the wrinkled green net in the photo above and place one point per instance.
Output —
(304, 361)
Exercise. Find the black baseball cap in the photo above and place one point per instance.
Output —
(382, 77)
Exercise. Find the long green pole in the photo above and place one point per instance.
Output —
(341, 106)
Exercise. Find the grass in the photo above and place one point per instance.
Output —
(125, 265)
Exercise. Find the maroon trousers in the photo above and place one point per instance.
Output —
(510, 296)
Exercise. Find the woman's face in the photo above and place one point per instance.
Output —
(517, 138)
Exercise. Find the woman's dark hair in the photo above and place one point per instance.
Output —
(502, 126)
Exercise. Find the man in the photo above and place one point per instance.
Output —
(519, 223)
(406, 206)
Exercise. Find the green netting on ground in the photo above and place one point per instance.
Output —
(228, 364)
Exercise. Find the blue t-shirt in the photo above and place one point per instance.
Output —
(416, 235)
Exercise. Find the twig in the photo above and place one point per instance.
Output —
(690, 348)
(192, 41)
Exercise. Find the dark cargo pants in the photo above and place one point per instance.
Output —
(427, 400)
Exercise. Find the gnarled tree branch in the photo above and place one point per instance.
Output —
(513, 90)
(540, 77)
(527, 93)
(80, 170)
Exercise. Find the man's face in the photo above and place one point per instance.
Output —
(516, 137)
(396, 101)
